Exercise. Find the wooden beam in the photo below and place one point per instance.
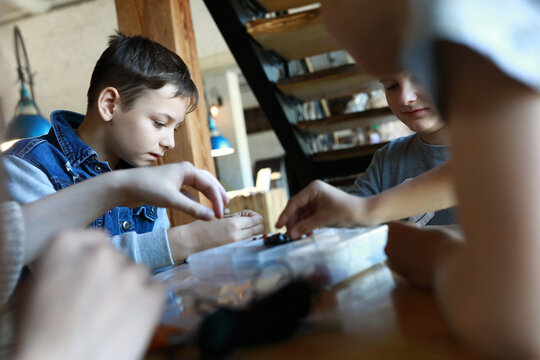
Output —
(293, 36)
(168, 22)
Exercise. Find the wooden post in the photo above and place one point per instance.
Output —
(168, 22)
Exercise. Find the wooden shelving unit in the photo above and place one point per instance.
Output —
(353, 152)
(264, 38)
(330, 83)
(293, 36)
(346, 121)
(283, 5)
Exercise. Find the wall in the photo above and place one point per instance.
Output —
(264, 145)
(63, 46)
(235, 169)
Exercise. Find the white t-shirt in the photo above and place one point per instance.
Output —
(506, 32)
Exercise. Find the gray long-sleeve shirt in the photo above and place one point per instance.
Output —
(26, 183)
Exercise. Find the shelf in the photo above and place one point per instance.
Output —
(296, 33)
(357, 151)
(293, 36)
(341, 182)
(347, 121)
(282, 5)
(330, 83)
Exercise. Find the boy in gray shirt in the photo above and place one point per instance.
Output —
(405, 158)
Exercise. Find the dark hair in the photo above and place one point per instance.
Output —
(134, 64)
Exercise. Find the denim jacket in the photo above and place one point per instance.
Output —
(42, 165)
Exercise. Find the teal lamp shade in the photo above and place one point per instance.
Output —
(24, 126)
(220, 145)
(27, 121)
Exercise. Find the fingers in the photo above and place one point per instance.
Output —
(306, 226)
(402, 228)
(250, 213)
(103, 294)
(188, 194)
(301, 214)
(239, 227)
(69, 244)
(248, 222)
(248, 227)
(245, 213)
(399, 232)
(191, 207)
(249, 232)
(298, 201)
(203, 181)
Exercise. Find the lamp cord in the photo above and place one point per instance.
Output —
(19, 44)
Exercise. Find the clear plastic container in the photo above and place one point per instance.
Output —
(336, 254)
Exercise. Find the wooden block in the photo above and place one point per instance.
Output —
(330, 83)
(356, 151)
(347, 121)
(282, 5)
(269, 204)
(293, 36)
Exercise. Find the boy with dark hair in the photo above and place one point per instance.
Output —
(138, 96)
(134, 65)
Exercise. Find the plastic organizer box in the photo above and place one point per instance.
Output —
(334, 254)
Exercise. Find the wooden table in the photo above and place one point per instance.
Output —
(375, 315)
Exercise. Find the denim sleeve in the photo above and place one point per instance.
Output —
(369, 183)
(26, 183)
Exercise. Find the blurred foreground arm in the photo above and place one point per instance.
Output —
(490, 288)
(320, 204)
(87, 301)
(78, 205)
(416, 252)
(430, 191)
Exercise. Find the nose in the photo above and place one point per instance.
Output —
(167, 141)
(408, 93)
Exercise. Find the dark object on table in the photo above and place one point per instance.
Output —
(270, 319)
(277, 239)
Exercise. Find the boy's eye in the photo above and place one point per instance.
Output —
(391, 87)
(159, 124)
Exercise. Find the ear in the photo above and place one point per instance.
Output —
(108, 103)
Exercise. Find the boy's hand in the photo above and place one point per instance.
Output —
(415, 253)
(162, 186)
(320, 205)
(88, 301)
(200, 235)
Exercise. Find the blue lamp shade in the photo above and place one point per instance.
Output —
(220, 145)
(27, 125)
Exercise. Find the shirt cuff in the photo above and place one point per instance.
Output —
(151, 249)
